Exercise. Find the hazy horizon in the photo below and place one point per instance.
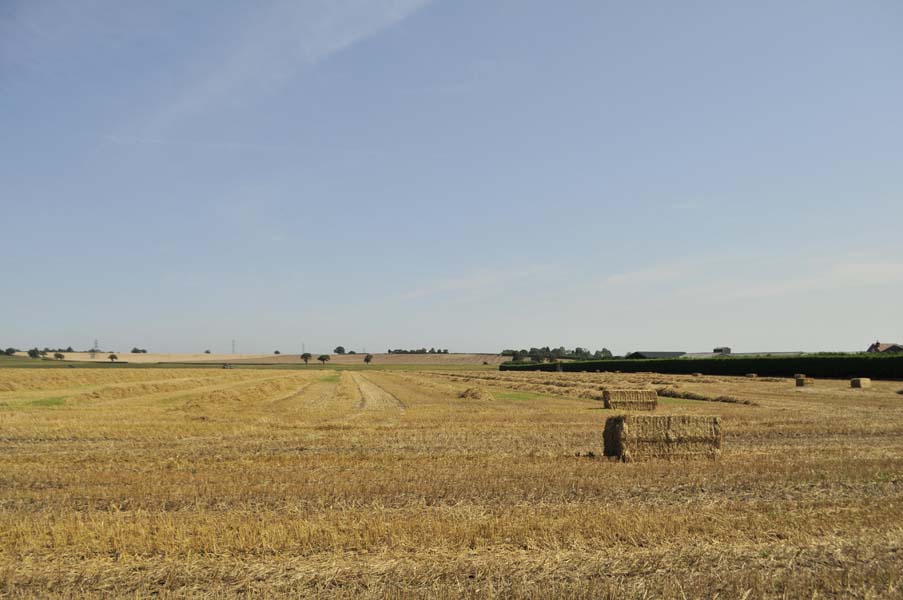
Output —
(472, 176)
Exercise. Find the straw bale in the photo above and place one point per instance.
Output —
(630, 399)
(638, 437)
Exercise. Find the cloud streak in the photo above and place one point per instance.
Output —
(644, 276)
(475, 281)
(841, 275)
(136, 140)
(286, 38)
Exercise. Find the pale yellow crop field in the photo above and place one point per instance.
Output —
(317, 483)
(456, 359)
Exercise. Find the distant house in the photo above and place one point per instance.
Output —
(647, 354)
(721, 350)
(885, 348)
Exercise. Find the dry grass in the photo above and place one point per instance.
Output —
(208, 483)
(475, 393)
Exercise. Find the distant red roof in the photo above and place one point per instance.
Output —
(879, 347)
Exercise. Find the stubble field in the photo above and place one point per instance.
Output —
(206, 482)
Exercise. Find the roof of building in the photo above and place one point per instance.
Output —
(879, 347)
(656, 354)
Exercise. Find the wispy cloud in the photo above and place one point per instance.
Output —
(475, 281)
(137, 140)
(287, 37)
(841, 275)
(645, 276)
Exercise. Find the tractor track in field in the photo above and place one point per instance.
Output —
(374, 396)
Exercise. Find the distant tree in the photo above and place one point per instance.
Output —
(10, 351)
(34, 353)
(323, 358)
(306, 357)
(113, 358)
(69, 349)
(136, 350)
(206, 351)
(58, 356)
(339, 350)
(368, 359)
(352, 352)
(277, 352)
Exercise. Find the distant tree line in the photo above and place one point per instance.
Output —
(419, 351)
(58, 352)
(34, 352)
(547, 354)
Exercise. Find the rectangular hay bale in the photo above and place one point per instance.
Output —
(630, 399)
(861, 382)
(638, 437)
(803, 381)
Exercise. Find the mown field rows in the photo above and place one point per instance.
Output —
(260, 482)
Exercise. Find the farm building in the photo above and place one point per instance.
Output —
(647, 354)
(885, 348)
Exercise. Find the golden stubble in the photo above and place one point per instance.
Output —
(194, 482)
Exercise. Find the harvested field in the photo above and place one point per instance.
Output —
(475, 393)
(631, 437)
(630, 399)
(323, 483)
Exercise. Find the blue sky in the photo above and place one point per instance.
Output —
(461, 174)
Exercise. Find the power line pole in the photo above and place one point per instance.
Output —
(233, 346)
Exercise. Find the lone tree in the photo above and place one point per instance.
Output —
(34, 353)
(368, 358)
(277, 352)
(306, 357)
(339, 350)
(323, 358)
(113, 358)
(58, 356)
(206, 351)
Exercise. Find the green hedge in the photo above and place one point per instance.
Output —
(836, 366)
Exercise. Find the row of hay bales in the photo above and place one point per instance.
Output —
(856, 382)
